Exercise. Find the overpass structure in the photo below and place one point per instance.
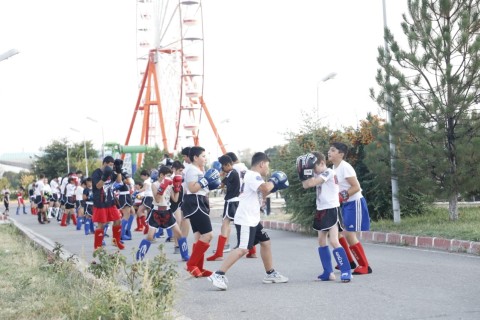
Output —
(22, 160)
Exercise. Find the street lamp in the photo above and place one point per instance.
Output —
(68, 161)
(329, 76)
(394, 177)
(103, 137)
(85, 149)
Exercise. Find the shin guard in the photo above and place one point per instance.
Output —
(117, 232)
(326, 259)
(343, 264)
(359, 253)
(97, 242)
(143, 249)
(218, 255)
(182, 243)
(345, 246)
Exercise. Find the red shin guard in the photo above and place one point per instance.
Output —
(218, 255)
(252, 253)
(117, 231)
(195, 264)
(359, 253)
(64, 220)
(344, 244)
(98, 239)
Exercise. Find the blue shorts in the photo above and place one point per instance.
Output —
(355, 215)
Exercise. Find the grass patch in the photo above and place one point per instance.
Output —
(436, 223)
(34, 285)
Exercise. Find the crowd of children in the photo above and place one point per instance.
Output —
(174, 197)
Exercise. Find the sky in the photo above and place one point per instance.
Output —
(264, 65)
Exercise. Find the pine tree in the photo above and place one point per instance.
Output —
(434, 84)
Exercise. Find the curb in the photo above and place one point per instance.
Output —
(436, 243)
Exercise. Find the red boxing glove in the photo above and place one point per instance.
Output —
(164, 185)
(177, 183)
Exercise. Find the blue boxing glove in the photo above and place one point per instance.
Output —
(107, 172)
(117, 185)
(211, 179)
(279, 180)
(217, 165)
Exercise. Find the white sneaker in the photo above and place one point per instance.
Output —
(275, 277)
(219, 281)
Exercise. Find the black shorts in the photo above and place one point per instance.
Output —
(63, 199)
(247, 236)
(326, 219)
(125, 200)
(39, 202)
(147, 202)
(229, 209)
(193, 203)
(53, 198)
(89, 209)
(175, 205)
(161, 217)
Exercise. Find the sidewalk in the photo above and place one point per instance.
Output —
(436, 243)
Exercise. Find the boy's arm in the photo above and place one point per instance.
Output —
(354, 185)
(312, 182)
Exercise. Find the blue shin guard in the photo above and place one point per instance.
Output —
(343, 264)
(79, 223)
(169, 235)
(92, 226)
(182, 243)
(87, 227)
(128, 231)
(124, 230)
(105, 229)
(326, 259)
(143, 249)
(159, 233)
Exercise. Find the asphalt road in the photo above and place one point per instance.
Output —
(406, 283)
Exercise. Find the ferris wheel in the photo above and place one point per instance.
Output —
(170, 63)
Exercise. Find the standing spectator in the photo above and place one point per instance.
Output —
(6, 201)
(104, 208)
(354, 206)
(39, 196)
(20, 202)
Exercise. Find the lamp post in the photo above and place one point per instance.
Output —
(85, 150)
(103, 137)
(329, 76)
(68, 161)
(394, 179)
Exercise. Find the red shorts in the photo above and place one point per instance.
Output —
(104, 215)
(20, 201)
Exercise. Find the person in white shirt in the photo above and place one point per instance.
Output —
(247, 221)
(39, 196)
(354, 207)
(314, 173)
(54, 201)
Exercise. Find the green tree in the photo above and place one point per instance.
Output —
(54, 163)
(434, 84)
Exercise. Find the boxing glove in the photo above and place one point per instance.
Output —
(177, 183)
(343, 196)
(107, 172)
(211, 179)
(217, 165)
(164, 185)
(279, 180)
(117, 165)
